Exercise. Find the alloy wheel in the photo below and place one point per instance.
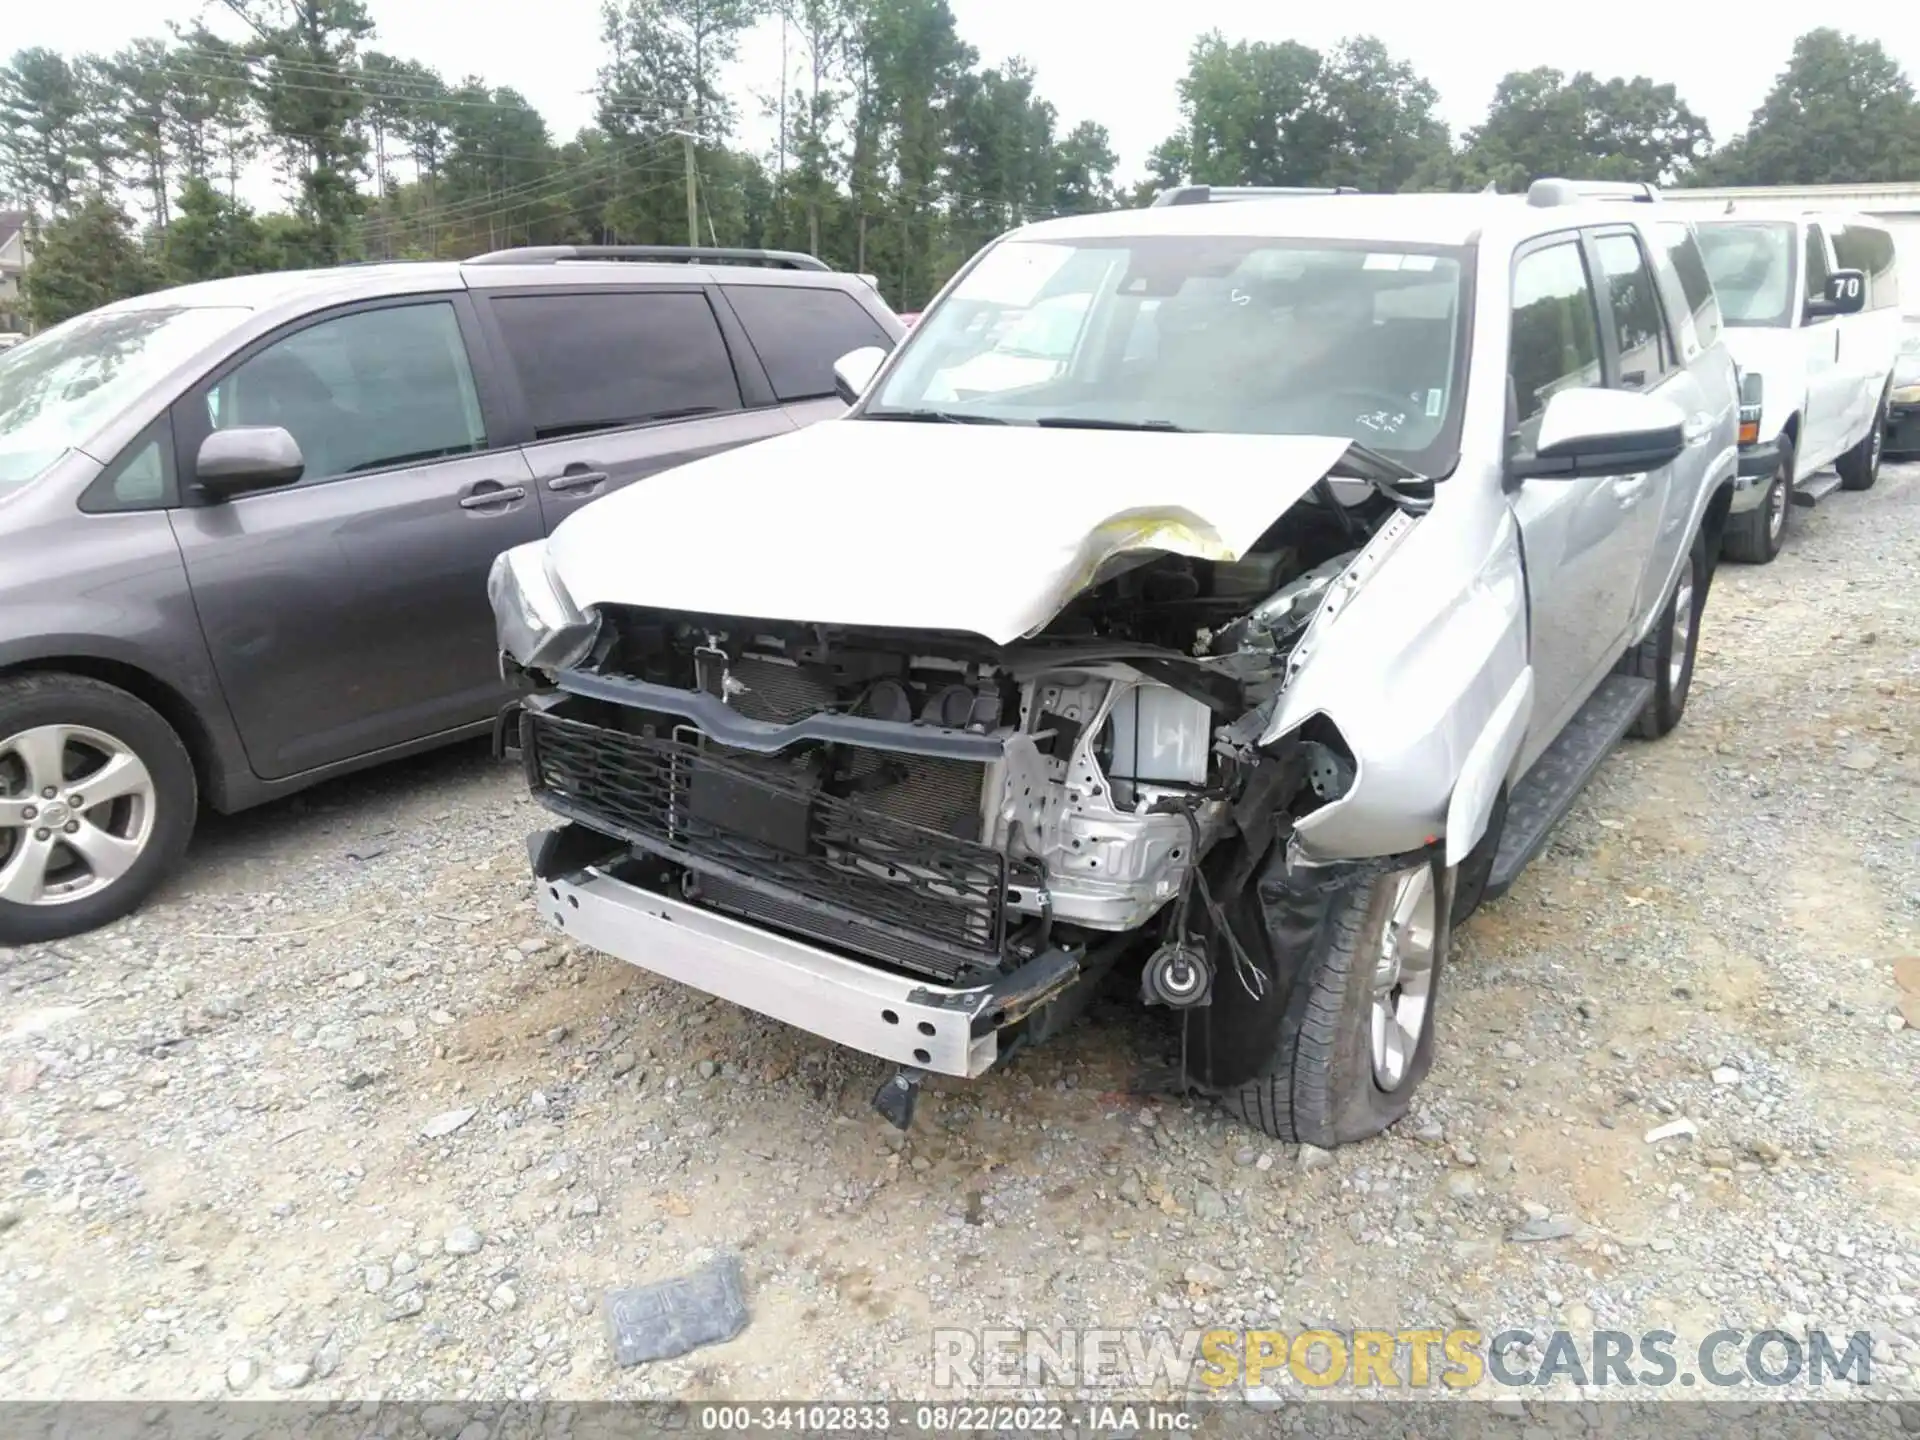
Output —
(1682, 625)
(1403, 977)
(77, 810)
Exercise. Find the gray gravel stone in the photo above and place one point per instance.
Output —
(447, 1122)
(463, 1240)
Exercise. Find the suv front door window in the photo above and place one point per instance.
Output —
(340, 610)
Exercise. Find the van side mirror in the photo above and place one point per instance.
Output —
(247, 457)
(1846, 295)
(854, 371)
(1601, 432)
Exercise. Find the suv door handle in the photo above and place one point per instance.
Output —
(489, 493)
(1697, 429)
(1627, 488)
(577, 480)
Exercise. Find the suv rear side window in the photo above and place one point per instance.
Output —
(603, 361)
(799, 333)
(1555, 344)
(1683, 252)
(1634, 307)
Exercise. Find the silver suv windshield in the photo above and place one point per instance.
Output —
(1751, 262)
(56, 388)
(1248, 335)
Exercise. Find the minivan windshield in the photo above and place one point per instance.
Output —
(1238, 334)
(56, 388)
(1752, 265)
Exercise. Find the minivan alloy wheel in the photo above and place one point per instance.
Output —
(77, 809)
(1403, 977)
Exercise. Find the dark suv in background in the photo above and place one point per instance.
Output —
(245, 526)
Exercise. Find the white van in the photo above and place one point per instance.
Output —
(1811, 302)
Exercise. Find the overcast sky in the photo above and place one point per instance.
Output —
(1115, 61)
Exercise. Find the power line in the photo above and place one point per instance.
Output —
(529, 193)
(477, 207)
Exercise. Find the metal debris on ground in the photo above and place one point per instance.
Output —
(661, 1321)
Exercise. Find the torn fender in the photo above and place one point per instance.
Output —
(1486, 768)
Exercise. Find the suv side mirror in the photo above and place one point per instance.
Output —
(1601, 432)
(854, 371)
(1846, 295)
(247, 457)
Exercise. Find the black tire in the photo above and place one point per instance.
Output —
(1860, 466)
(1475, 872)
(1653, 658)
(1756, 537)
(29, 702)
(1319, 1087)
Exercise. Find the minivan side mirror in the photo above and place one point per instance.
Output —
(854, 371)
(1846, 295)
(247, 457)
(1601, 432)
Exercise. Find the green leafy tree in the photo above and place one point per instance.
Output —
(100, 141)
(1376, 118)
(915, 61)
(85, 259)
(664, 75)
(312, 107)
(1841, 112)
(1249, 116)
(1283, 114)
(1083, 166)
(813, 115)
(1545, 123)
(210, 107)
(210, 236)
(1001, 169)
(144, 81)
(41, 114)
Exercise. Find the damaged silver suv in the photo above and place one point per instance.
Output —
(1248, 633)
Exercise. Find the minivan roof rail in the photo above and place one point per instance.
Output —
(685, 254)
(1216, 194)
(1549, 192)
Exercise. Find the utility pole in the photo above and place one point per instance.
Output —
(693, 193)
(687, 137)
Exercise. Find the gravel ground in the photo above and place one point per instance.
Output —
(336, 1118)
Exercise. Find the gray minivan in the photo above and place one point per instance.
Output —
(245, 526)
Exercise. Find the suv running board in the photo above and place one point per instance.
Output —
(1815, 488)
(1543, 797)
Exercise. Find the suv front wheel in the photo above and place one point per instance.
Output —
(1357, 1037)
(97, 802)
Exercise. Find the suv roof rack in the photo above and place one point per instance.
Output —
(685, 254)
(1549, 192)
(1216, 194)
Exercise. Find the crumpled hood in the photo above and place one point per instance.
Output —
(985, 529)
